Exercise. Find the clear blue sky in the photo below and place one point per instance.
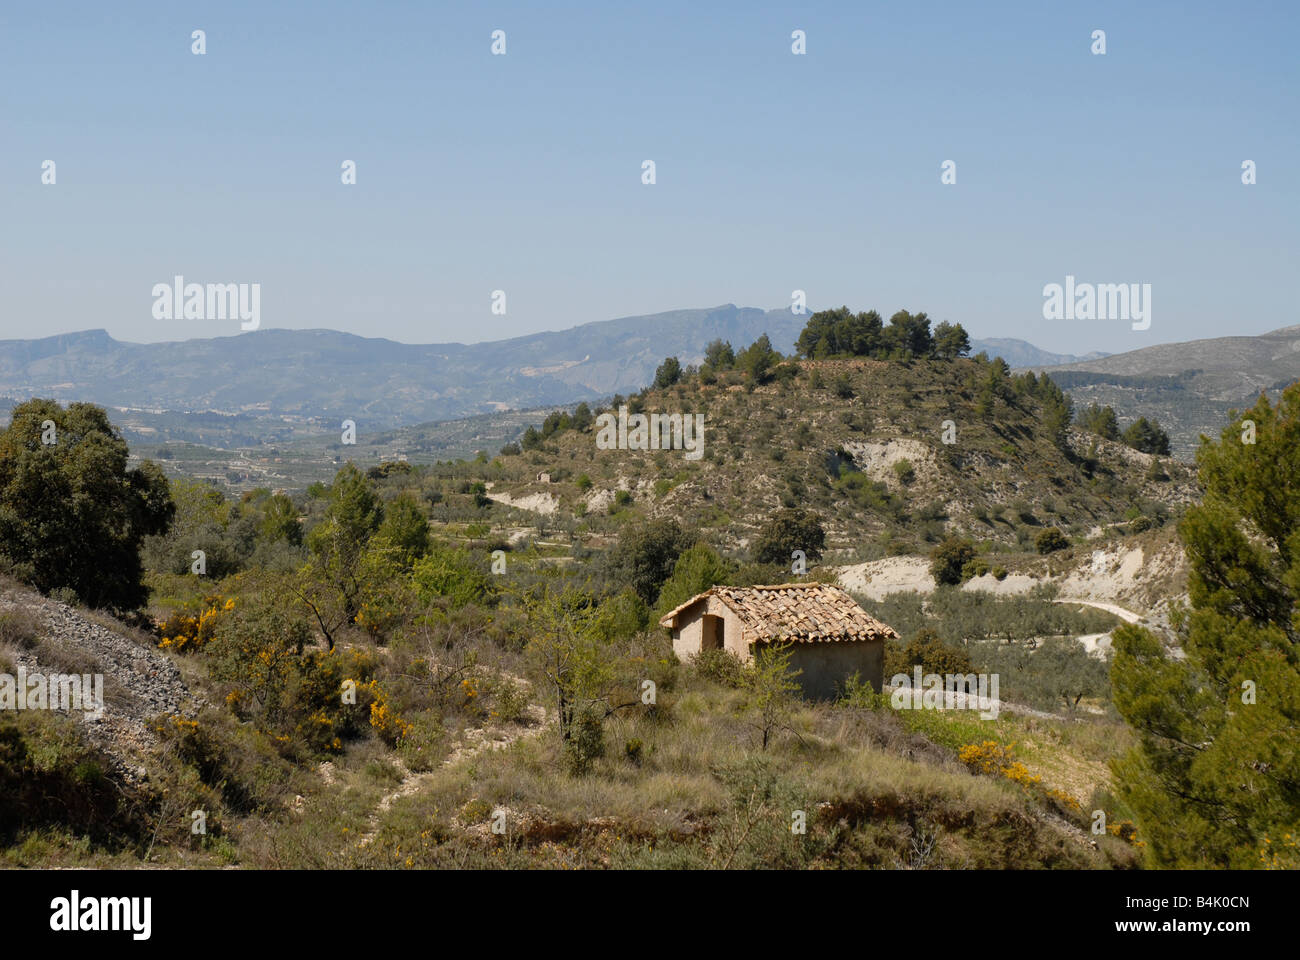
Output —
(523, 172)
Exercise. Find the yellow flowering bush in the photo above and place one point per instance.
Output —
(192, 743)
(469, 690)
(390, 725)
(305, 698)
(187, 632)
(1126, 830)
(993, 758)
(326, 718)
(1283, 855)
(1063, 799)
(996, 759)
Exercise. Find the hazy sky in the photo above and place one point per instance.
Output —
(522, 172)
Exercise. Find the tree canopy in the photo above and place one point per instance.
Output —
(1145, 435)
(71, 512)
(758, 359)
(668, 373)
(645, 556)
(719, 355)
(1099, 420)
(786, 531)
(840, 332)
(1216, 773)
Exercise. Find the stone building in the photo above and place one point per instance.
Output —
(832, 636)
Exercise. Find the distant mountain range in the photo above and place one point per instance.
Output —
(323, 373)
(1189, 387)
(326, 375)
(1018, 353)
(271, 386)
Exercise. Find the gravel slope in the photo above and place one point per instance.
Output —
(140, 683)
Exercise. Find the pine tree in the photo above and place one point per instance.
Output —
(668, 373)
(1215, 778)
(1145, 435)
(1099, 420)
(950, 341)
(696, 570)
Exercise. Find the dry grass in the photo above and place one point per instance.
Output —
(841, 766)
(19, 628)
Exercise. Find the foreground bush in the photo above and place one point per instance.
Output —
(71, 514)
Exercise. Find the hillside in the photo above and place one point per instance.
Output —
(230, 682)
(1189, 387)
(275, 388)
(687, 788)
(860, 442)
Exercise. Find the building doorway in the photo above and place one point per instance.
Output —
(713, 638)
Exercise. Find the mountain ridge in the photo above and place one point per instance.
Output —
(316, 378)
(1190, 387)
(322, 373)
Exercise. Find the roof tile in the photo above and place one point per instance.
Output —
(799, 612)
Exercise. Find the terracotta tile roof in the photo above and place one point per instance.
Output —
(800, 612)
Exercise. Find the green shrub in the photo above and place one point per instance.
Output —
(1139, 524)
(381, 771)
(1156, 472)
(857, 693)
(454, 577)
(586, 743)
(948, 560)
(510, 699)
(868, 494)
(721, 667)
(1051, 540)
(66, 596)
(786, 531)
(928, 651)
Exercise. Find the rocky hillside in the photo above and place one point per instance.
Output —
(862, 443)
(140, 684)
